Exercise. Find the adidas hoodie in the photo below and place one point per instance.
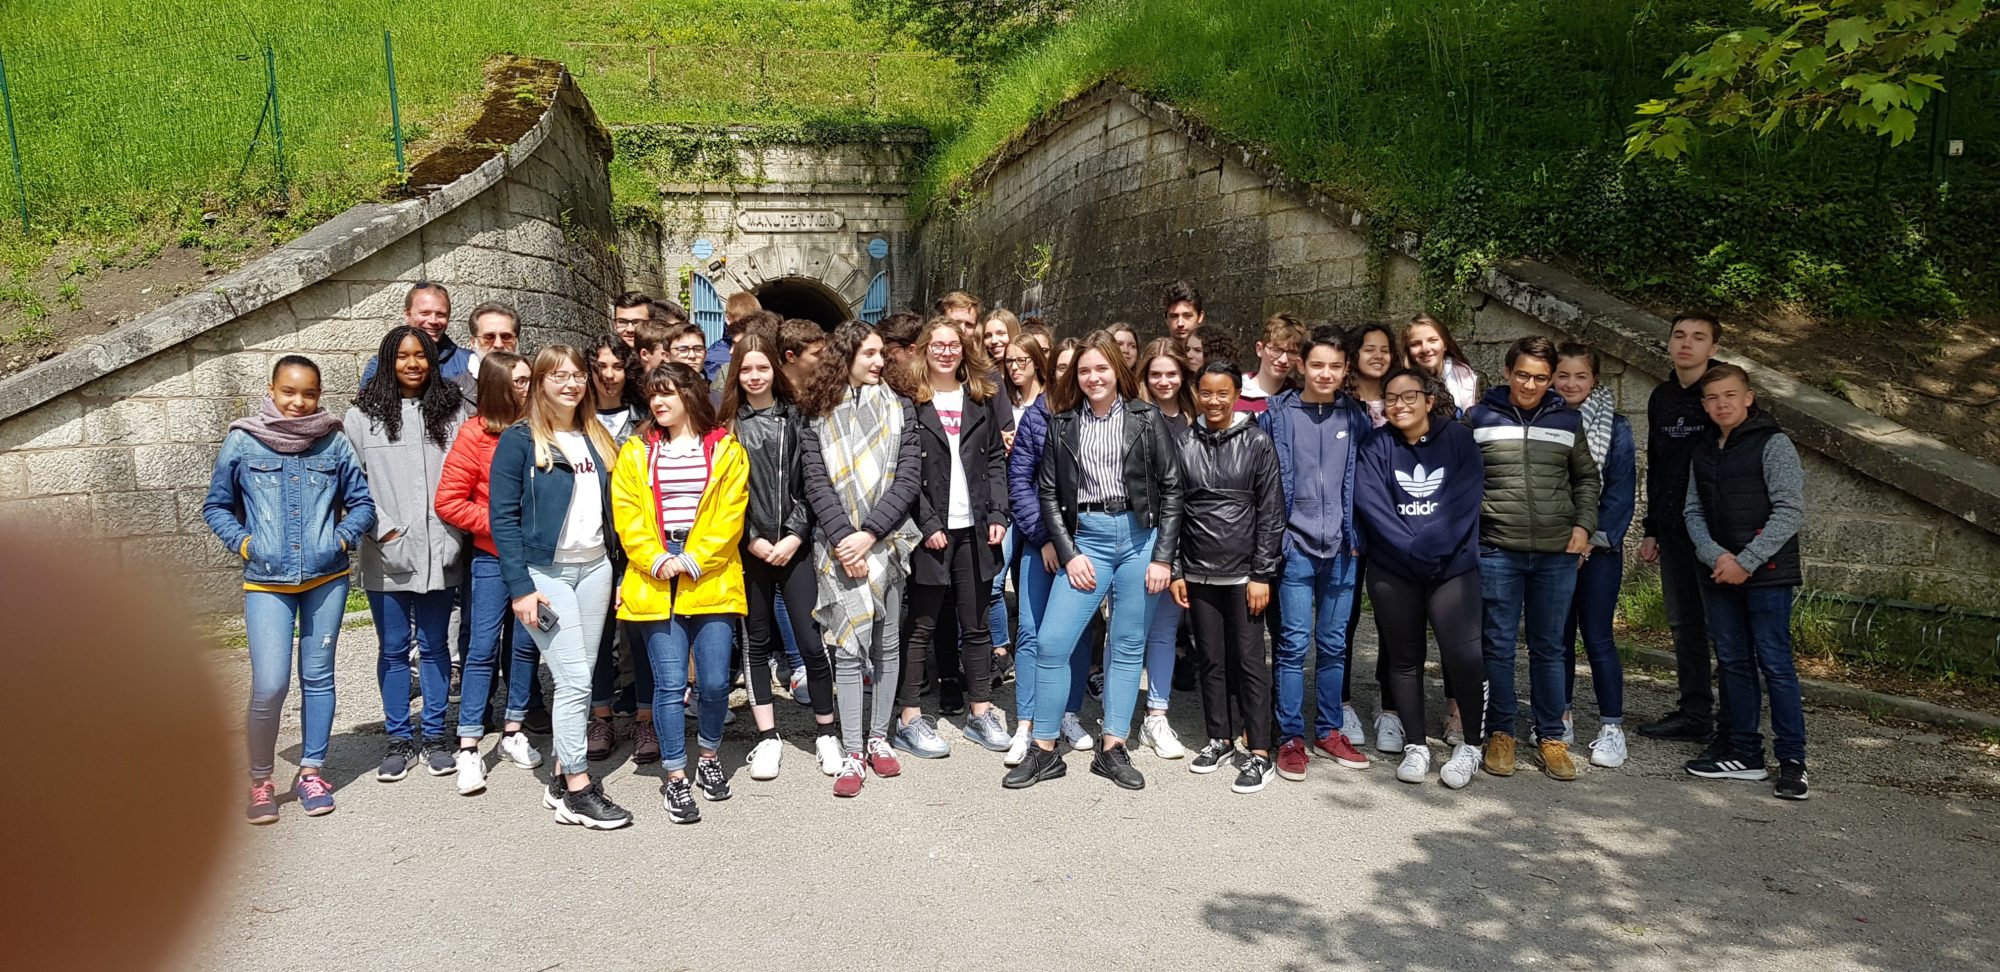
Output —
(1418, 504)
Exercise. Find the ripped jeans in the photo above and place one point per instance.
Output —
(271, 620)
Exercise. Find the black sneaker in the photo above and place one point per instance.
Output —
(1212, 756)
(397, 761)
(1257, 771)
(1731, 766)
(539, 722)
(1791, 783)
(681, 808)
(709, 777)
(951, 697)
(1041, 764)
(440, 757)
(590, 808)
(1680, 727)
(1095, 686)
(1114, 763)
(552, 796)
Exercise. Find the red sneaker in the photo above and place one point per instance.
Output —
(1335, 746)
(848, 783)
(1292, 759)
(882, 759)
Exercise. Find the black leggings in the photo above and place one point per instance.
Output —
(968, 596)
(1230, 661)
(760, 627)
(1453, 609)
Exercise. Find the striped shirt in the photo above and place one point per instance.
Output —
(680, 475)
(1101, 449)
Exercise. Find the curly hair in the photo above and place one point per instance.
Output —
(1443, 409)
(382, 398)
(829, 383)
(627, 355)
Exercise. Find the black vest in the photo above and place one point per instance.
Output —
(1730, 482)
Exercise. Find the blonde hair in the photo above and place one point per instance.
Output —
(541, 412)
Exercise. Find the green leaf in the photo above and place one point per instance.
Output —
(1809, 62)
(1901, 125)
(1938, 45)
(1882, 95)
(1654, 107)
(1849, 33)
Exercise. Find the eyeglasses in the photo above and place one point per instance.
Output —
(1404, 398)
(523, 382)
(946, 347)
(567, 378)
(1283, 352)
(1530, 380)
(1013, 362)
(685, 349)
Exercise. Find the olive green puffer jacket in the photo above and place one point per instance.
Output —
(1540, 479)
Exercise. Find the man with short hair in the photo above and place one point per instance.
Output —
(627, 311)
(1277, 355)
(800, 344)
(736, 313)
(1535, 523)
(1183, 308)
(495, 327)
(427, 307)
(961, 307)
(1675, 424)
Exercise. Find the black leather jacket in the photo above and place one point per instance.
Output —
(985, 461)
(778, 507)
(1234, 515)
(1152, 478)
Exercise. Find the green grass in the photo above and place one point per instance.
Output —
(1496, 127)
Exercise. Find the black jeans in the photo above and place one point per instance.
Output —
(1231, 664)
(760, 627)
(1455, 610)
(1681, 575)
(967, 597)
(604, 676)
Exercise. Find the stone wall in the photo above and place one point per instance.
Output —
(739, 219)
(1092, 211)
(117, 438)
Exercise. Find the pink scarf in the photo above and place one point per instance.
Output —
(283, 434)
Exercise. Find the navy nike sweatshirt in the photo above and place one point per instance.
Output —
(1418, 504)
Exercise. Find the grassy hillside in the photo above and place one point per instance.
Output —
(1495, 127)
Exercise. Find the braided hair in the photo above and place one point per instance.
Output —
(381, 399)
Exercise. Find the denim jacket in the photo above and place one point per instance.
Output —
(301, 512)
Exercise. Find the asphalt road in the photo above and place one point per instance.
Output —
(1891, 865)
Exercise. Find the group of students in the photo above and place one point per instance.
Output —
(849, 507)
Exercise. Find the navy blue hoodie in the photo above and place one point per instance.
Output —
(1418, 505)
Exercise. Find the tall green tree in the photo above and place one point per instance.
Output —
(1869, 65)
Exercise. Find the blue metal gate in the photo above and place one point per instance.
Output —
(707, 308)
(876, 303)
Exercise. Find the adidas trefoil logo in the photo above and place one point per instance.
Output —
(1419, 484)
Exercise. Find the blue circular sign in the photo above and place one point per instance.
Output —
(703, 249)
(878, 248)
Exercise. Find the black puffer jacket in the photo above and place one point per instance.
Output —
(778, 507)
(1233, 513)
(1152, 478)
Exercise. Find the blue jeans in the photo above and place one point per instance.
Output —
(1752, 628)
(710, 639)
(1160, 652)
(782, 613)
(269, 619)
(1315, 597)
(524, 682)
(1032, 587)
(396, 613)
(486, 611)
(1591, 611)
(996, 612)
(1538, 586)
(1119, 550)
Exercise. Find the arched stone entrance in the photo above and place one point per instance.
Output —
(790, 297)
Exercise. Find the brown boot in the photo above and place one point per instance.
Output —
(647, 750)
(1500, 754)
(1556, 762)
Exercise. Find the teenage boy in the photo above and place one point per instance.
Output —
(1535, 524)
(900, 333)
(1745, 504)
(683, 344)
(1277, 356)
(800, 343)
(1675, 422)
(1318, 432)
(627, 311)
(961, 307)
(650, 345)
(735, 315)
(1183, 308)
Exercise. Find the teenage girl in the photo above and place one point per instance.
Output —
(1430, 348)
(1609, 437)
(1372, 351)
(1168, 384)
(615, 376)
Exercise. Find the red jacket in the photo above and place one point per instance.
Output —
(462, 485)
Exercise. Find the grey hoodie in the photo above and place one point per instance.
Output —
(427, 555)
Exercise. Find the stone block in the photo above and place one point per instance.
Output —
(188, 501)
(66, 515)
(323, 301)
(140, 514)
(402, 260)
(13, 476)
(1967, 549)
(201, 420)
(352, 337)
(172, 466)
(238, 375)
(379, 302)
(132, 421)
(1869, 541)
(183, 553)
(52, 425)
(164, 375)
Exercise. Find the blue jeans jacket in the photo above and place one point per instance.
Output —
(302, 512)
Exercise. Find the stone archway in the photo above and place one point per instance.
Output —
(803, 297)
(803, 280)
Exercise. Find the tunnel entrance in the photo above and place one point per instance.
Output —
(804, 297)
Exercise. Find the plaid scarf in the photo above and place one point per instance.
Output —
(860, 441)
(1598, 411)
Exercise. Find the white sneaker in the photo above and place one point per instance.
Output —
(1608, 750)
(827, 748)
(1569, 729)
(1389, 734)
(519, 751)
(1072, 733)
(471, 772)
(1461, 767)
(1018, 751)
(1350, 725)
(1155, 732)
(764, 759)
(1454, 730)
(1416, 764)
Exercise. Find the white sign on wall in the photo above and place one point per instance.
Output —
(788, 220)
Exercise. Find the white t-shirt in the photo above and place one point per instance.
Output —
(614, 420)
(582, 538)
(951, 414)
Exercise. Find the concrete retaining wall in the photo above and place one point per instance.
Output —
(117, 438)
(1117, 195)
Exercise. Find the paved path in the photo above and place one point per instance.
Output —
(1892, 865)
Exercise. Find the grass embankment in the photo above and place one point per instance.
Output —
(1495, 127)
(139, 120)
